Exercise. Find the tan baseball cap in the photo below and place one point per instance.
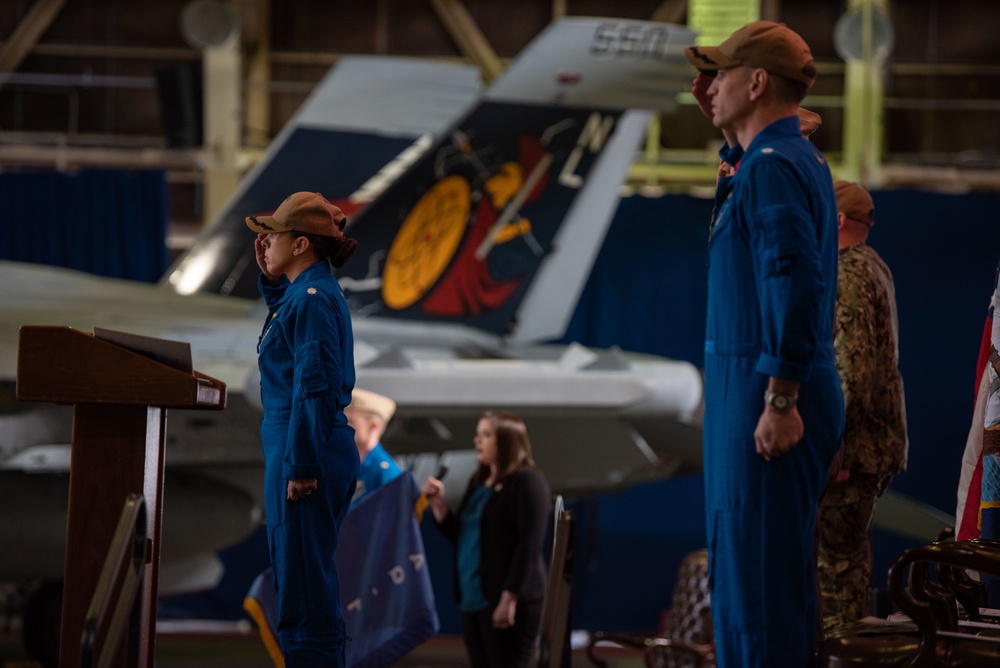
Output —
(772, 46)
(854, 201)
(304, 212)
(366, 401)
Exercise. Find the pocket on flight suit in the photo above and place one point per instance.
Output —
(313, 377)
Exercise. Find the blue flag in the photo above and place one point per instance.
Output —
(385, 587)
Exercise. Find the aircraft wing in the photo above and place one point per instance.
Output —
(56, 296)
(597, 419)
(910, 518)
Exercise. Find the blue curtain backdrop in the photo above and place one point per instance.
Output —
(648, 289)
(106, 222)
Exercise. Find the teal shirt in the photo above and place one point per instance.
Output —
(472, 599)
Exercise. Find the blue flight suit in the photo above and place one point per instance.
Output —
(377, 468)
(772, 289)
(306, 360)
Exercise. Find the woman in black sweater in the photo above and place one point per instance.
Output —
(498, 534)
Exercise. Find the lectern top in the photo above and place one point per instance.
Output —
(65, 365)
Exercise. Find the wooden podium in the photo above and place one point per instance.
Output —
(119, 399)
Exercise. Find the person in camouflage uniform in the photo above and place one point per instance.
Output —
(875, 441)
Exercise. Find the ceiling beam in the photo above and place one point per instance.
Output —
(80, 50)
(328, 58)
(467, 35)
(27, 33)
(257, 104)
(76, 157)
(670, 11)
(770, 10)
(222, 68)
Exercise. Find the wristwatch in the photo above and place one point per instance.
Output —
(779, 401)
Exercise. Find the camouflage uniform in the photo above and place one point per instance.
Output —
(875, 441)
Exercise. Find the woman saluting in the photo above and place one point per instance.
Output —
(306, 360)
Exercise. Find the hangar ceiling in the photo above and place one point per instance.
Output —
(90, 83)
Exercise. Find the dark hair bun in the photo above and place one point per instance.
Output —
(345, 247)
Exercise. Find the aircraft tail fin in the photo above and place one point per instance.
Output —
(497, 224)
(492, 224)
(355, 130)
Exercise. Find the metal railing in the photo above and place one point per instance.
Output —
(115, 609)
(558, 591)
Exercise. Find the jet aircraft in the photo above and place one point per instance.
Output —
(479, 215)
(475, 247)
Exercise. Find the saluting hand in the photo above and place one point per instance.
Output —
(258, 247)
(699, 88)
